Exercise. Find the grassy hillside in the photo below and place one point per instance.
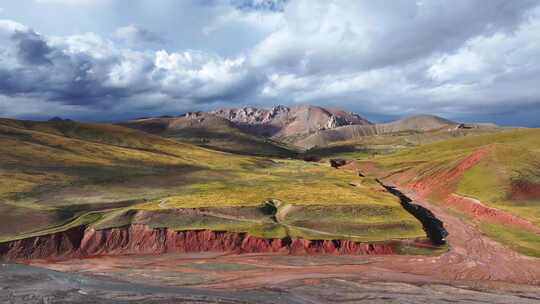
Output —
(55, 175)
(370, 145)
(207, 130)
(501, 170)
(419, 124)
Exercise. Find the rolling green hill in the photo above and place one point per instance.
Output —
(408, 131)
(208, 130)
(387, 143)
(500, 171)
(56, 175)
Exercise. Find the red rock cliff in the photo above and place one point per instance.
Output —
(140, 239)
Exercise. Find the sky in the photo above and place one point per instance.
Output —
(112, 60)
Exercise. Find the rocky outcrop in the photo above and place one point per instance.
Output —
(525, 190)
(337, 162)
(311, 158)
(336, 121)
(281, 121)
(82, 242)
(250, 115)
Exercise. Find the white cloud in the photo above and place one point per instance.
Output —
(312, 32)
(136, 36)
(360, 35)
(491, 68)
(130, 70)
(88, 43)
(8, 56)
(461, 64)
(196, 74)
(9, 26)
(266, 21)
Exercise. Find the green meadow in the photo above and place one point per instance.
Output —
(57, 175)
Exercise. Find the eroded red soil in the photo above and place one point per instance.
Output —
(481, 212)
(81, 242)
(442, 181)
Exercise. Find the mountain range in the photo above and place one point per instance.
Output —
(280, 129)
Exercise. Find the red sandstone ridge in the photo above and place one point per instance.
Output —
(441, 182)
(478, 210)
(83, 242)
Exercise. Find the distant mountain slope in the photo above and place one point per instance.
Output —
(414, 124)
(282, 122)
(211, 131)
(249, 130)
(281, 130)
(326, 137)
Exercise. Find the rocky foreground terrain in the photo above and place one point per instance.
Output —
(21, 284)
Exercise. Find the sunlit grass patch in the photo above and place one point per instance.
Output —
(524, 242)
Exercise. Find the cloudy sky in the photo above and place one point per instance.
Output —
(109, 60)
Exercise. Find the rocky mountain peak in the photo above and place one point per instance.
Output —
(281, 120)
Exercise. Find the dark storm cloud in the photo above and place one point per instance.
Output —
(31, 48)
(270, 5)
(89, 72)
(50, 73)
